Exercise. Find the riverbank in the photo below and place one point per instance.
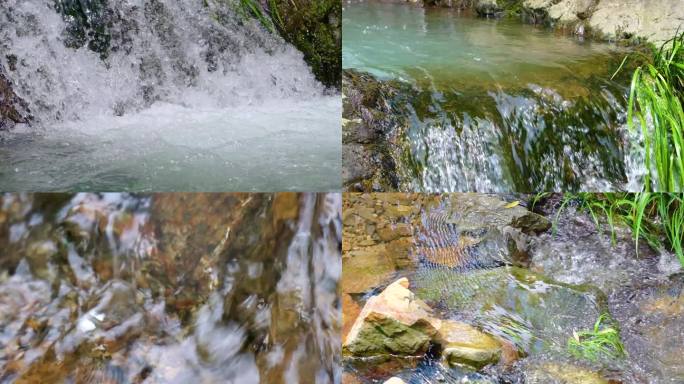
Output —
(627, 21)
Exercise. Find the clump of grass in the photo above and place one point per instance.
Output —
(653, 214)
(657, 218)
(601, 342)
(252, 8)
(655, 102)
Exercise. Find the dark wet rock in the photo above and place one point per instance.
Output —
(315, 28)
(13, 109)
(359, 163)
(368, 125)
(488, 8)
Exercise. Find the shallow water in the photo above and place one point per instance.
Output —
(447, 47)
(278, 145)
(495, 105)
(463, 256)
(169, 288)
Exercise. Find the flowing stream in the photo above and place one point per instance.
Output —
(169, 288)
(506, 272)
(495, 105)
(161, 95)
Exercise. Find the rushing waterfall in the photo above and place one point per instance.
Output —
(154, 89)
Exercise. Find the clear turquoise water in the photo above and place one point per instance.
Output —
(415, 43)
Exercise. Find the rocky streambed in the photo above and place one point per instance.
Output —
(488, 289)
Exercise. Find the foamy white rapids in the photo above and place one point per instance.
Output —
(190, 96)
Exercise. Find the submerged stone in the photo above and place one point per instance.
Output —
(478, 231)
(463, 344)
(532, 312)
(557, 373)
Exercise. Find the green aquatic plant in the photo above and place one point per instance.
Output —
(655, 104)
(603, 341)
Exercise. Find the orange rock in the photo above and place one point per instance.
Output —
(350, 311)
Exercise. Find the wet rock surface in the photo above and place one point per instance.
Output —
(463, 344)
(368, 125)
(315, 28)
(13, 109)
(169, 288)
(611, 19)
(507, 319)
(392, 323)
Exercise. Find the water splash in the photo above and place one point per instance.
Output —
(185, 95)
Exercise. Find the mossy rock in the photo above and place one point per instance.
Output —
(464, 345)
(393, 323)
(315, 28)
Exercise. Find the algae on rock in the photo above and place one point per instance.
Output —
(392, 323)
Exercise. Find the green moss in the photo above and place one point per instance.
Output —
(387, 336)
(314, 28)
(87, 24)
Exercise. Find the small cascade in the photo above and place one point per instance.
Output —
(467, 104)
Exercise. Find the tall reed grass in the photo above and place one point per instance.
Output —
(655, 105)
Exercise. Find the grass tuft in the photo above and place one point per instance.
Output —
(252, 8)
(601, 342)
(657, 218)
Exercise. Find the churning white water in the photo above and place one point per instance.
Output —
(188, 95)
